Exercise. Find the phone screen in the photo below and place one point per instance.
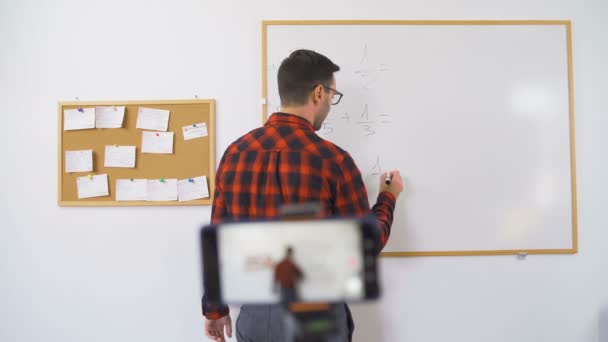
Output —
(268, 262)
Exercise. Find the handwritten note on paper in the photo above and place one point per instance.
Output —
(157, 142)
(82, 118)
(93, 186)
(153, 119)
(194, 131)
(131, 189)
(162, 190)
(109, 117)
(119, 156)
(79, 161)
(192, 188)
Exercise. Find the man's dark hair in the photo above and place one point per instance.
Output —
(300, 73)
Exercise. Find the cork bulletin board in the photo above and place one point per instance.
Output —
(189, 158)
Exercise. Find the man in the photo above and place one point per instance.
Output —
(286, 277)
(286, 162)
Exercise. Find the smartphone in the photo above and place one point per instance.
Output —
(329, 260)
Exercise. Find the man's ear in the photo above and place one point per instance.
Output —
(316, 94)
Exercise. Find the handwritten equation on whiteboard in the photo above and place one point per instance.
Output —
(360, 120)
(364, 123)
(368, 74)
(364, 119)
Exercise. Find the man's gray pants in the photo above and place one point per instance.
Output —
(267, 323)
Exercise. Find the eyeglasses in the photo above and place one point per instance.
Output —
(336, 97)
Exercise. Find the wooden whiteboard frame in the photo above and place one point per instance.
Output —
(567, 25)
(106, 203)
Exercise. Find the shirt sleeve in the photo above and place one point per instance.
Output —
(351, 199)
(218, 207)
(218, 213)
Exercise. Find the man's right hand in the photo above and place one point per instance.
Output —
(214, 328)
(396, 185)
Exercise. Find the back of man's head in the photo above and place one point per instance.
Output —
(300, 73)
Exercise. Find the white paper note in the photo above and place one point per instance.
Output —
(119, 156)
(79, 161)
(153, 119)
(192, 188)
(83, 118)
(94, 186)
(157, 142)
(109, 117)
(131, 189)
(194, 131)
(162, 190)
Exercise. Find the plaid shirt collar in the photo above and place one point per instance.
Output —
(290, 120)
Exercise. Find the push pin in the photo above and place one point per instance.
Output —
(158, 135)
(79, 106)
(162, 180)
(190, 180)
(90, 177)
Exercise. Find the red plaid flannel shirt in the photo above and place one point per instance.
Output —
(286, 162)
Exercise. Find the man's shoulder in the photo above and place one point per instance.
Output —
(328, 149)
(245, 140)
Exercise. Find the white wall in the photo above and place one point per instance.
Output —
(131, 274)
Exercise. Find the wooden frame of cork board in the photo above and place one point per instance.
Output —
(190, 158)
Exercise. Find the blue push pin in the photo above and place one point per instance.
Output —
(193, 125)
(80, 109)
(190, 180)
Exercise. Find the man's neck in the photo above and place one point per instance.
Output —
(301, 111)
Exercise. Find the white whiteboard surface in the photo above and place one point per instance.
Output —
(477, 116)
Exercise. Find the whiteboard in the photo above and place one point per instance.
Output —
(477, 116)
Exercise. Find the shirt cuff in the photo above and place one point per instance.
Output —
(388, 198)
(216, 315)
(214, 310)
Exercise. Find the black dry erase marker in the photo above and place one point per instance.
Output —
(388, 179)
